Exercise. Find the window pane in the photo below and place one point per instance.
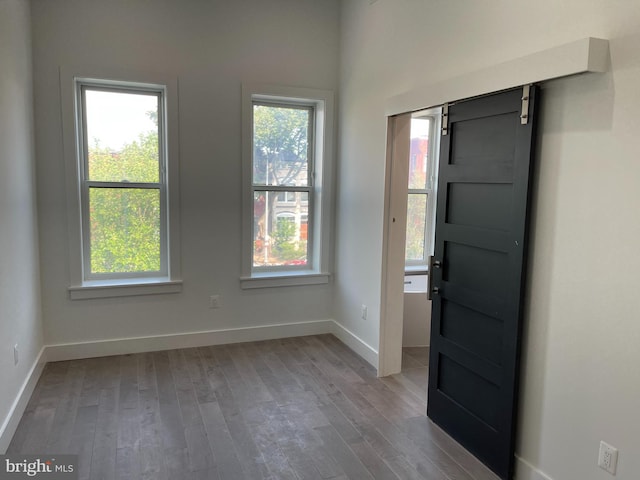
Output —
(280, 229)
(280, 145)
(122, 136)
(416, 220)
(418, 153)
(125, 230)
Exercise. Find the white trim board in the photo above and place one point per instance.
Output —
(526, 471)
(582, 56)
(121, 346)
(393, 242)
(356, 344)
(16, 411)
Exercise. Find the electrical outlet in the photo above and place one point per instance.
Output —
(214, 301)
(608, 458)
(16, 357)
(363, 311)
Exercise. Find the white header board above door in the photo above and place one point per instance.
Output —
(582, 56)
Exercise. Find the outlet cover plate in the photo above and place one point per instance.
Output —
(214, 301)
(608, 458)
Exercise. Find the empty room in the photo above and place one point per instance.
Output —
(251, 239)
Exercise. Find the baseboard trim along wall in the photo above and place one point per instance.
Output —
(356, 344)
(526, 471)
(12, 420)
(120, 346)
(102, 348)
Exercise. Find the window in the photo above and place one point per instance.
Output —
(122, 190)
(287, 158)
(123, 234)
(422, 186)
(283, 160)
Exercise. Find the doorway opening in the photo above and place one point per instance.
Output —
(421, 194)
(477, 262)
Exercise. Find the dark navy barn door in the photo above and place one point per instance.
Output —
(477, 277)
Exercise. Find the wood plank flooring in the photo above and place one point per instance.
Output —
(298, 408)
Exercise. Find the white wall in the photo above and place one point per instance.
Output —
(416, 320)
(20, 319)
(581, 355)
(212, 47)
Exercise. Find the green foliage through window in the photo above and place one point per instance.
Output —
(125, 222)
(285, 245)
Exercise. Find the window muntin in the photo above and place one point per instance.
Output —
(282, 185)
(122, 156)
(422, 183)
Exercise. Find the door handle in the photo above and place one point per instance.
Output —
(431, 265)
(429, 274)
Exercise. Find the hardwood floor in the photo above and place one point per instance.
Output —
(414, 375)
(299, 408)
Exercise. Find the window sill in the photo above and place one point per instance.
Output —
(283, 279)
(415, 270)
(124, 288)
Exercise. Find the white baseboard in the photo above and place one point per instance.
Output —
(526, 471)
(356, 344)
(103, 348)
(12, 420)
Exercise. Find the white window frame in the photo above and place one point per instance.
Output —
(290, 189)
(430, 190)
(83, 284)
(320, 186)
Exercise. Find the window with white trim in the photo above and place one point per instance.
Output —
(122, 234)
(286, 164)
(421, 202)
